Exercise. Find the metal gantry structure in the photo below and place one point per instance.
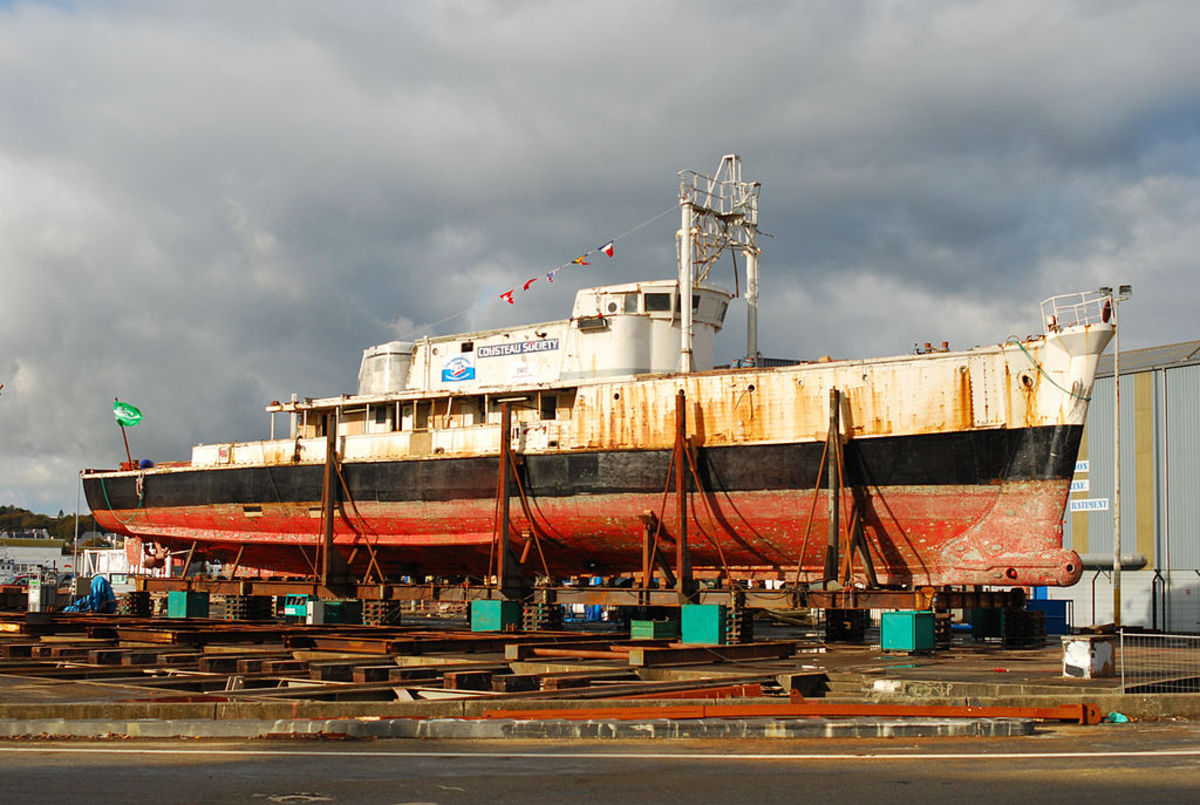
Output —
(718, 213)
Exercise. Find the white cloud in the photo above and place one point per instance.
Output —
(207, 207)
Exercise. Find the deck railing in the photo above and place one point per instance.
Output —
(1075, 309)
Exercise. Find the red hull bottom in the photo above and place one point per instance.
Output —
(1002, 534)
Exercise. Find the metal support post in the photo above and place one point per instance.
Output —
(328, 494)
(835, 488)
(509, 580)
(649, 526)
(1123, 293)
(683, 561)
(1116, 469)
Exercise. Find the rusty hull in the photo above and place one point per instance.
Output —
(976, 525)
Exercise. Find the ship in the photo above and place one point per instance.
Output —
(582, 441)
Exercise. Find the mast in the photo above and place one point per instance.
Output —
(717, 212)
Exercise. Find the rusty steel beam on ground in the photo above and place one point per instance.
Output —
(578, 654)
(195, 636)
(665, 689)
(575, 687)
(699, 655)
(521, 650)
(1077, 713)
(717, 691)
(430, 643)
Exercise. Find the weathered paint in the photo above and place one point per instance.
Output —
(993, 536)
(999, 526)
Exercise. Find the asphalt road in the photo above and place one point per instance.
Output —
(1100, 764)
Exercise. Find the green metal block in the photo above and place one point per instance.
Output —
(185, 604)
(704, 623)
(347, 611)
(495, 616)
(907, 630)
(652, 630)
(987, 623)
(296, 606)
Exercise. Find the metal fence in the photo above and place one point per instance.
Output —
(1159, 663)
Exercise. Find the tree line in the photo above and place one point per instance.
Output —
(14, 518)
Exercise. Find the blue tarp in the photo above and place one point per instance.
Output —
(99, 599)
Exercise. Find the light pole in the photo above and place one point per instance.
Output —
(1123, 292)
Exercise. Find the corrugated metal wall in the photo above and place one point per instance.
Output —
(1160, 498)
(1182, 459)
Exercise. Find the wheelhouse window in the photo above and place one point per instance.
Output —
(657, 302)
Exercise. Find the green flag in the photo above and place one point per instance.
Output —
(126, 414)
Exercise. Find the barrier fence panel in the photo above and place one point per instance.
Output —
(1159, 663)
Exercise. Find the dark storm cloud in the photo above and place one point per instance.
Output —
(204, 207)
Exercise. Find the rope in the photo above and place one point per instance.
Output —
(533, 525)
(662, 510)
(1012, 339)
(729, 501)
(364, 526)
(812, 511)
(712, 516)
(141, 498)
(716, 519)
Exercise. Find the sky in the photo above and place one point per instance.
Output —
(208, 206)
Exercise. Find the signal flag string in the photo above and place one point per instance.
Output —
(607, 249)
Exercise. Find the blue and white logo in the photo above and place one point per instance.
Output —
(460, 367)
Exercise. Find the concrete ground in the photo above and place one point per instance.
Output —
(121, 705)
(1116, 763)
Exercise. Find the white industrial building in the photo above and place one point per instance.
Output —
(1160, 493)
(27, 552)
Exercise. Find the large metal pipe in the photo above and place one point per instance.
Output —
(685, 286)
(751, 255)
(1104, 561)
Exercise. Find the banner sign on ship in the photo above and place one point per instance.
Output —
(523, 348)
(460, 367)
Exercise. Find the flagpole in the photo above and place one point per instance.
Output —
(128, 456)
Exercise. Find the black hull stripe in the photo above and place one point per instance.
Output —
(966, 458)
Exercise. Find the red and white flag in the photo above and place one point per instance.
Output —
(607, 248)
